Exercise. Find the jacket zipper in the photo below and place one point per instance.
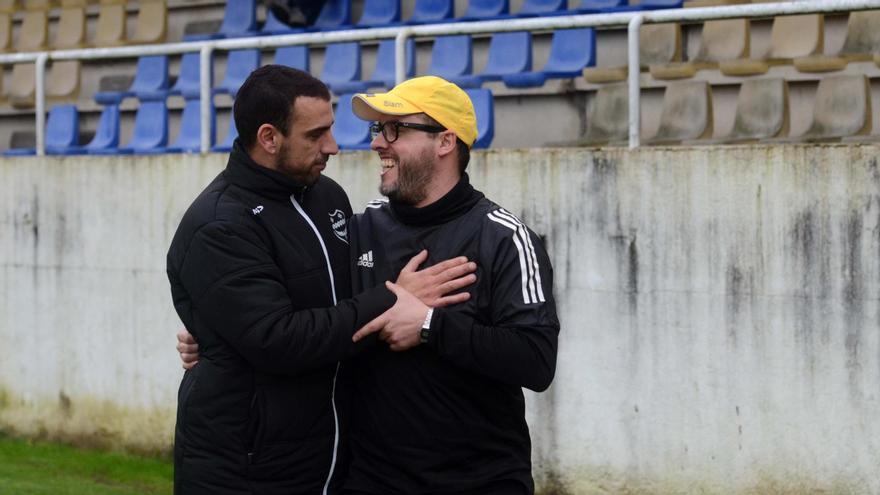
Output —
(308, 220)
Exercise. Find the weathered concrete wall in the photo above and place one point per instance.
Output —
(719, 306)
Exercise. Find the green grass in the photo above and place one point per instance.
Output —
(37, 468)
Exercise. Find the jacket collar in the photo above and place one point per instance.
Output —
(454, 204)
(244, 172)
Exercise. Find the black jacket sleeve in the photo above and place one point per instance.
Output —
(237, 292)
(518, 345)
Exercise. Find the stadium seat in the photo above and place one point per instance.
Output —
(660, 4)
(720, 41)
(486, 9)
(239, 65)
(686, 113)
(110, 29)
(484, 108)
(383, 75)
(296, 56)
(189, 139)
(107, 134)
(151, 25)
(451, 57)
(380, 13)
(532, 8)
(861, 44)
(762, 111)
(608, 116)
(231, 134)
(336, 14)
(842, 108)
(7, 9)
(187, 84)
(509, 53)
(342, 65)
(600, 6)
(34, 31)
(432, 11)
(150, 130)
(570, 51)
(791, 36)
(351, 132)
(150, 82)
(62, 133)
(239, 19)
(62, 79)
(659, 44)
(70, 31)
(22, 85)
(274, 26)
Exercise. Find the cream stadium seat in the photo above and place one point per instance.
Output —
(686, 113)
(110, 30)
(762, 111)
(861, 44)
(720, 41)
(152, 22)
(791, 37)
(658, 44)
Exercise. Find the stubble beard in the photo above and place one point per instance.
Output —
(413, 178)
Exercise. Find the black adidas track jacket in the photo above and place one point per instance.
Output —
(447, 417)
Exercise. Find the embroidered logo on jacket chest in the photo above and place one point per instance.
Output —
(338, 223)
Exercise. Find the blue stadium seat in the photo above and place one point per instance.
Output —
(336, 14)
(380, 13)
(484, 108)
(231, 134)
(150, 130)
(452, 57)
(486, 9)
(296, 56)
(62, 133)
(189, 140)
(384, 73)
(107, 134)
(602, 6)
(239, 19)
(570, 51)
(543, 8)
(274, 26)
(509, 53)
(239, 65)
(187, 84)
(660, 4)
(351, 132)
(150, 81)
(342, 66)
(432, 11)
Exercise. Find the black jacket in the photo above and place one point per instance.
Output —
(448, 417)
(250, 267)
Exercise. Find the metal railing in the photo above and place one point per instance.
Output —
(633, 20)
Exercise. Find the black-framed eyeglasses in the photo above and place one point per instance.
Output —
(391, 130)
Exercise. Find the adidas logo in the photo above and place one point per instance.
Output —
(366, 260)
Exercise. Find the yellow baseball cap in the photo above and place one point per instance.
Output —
(436, 97)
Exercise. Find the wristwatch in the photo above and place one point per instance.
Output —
(425, 332)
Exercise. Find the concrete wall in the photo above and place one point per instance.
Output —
(719, 308)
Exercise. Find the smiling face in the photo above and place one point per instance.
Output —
(408, 164)
(303, 153)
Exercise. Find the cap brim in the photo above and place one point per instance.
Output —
(372, 106)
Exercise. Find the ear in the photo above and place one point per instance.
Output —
(446, 143)
(267, 138)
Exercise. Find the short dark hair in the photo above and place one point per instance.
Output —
(266, 97)
(464, 151)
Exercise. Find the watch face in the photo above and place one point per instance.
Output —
(424, 333)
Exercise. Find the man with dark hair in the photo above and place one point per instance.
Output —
(447, 415)
(259, 272)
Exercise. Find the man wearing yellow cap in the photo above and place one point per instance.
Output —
(440, 410)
